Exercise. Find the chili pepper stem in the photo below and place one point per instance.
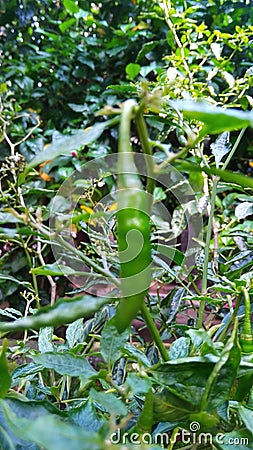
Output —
(147, 149)
(154, 332)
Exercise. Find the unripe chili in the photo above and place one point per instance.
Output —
(133, 227)
(246, 337)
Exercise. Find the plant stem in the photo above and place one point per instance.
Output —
(147, 149)
(209, 228)
(173, 438)
(167, 7)
(154, 332)
(207, 247)
(231, 153)
(87, 260)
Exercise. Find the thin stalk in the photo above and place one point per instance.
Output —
(234, 148)
(207, 246)
(154, 332)
(209, 228)
(173, 438)
(87, 260)
(167, 7)
(147, 149)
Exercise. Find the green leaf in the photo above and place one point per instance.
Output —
(66, 310)
(67, 24)
(77, 108)
(5, 378)
(171, 407)
(185, 378)
(9, 218)
(145, 420)
(138, 384)
(65, 364)
(238, 440)
(230, 177)
(179, 348)
(136, 354)
(216, 120)
(146, 48)
(112, 341)
(15, 280)
(243, 210)
(109, 402)
(70, 6)
(222, 378)
(25, 371)
(171, 253)
(46, 430)
(200, 337)
(64, 145)
(207, 422)
(132, 70)
(246, 415)
(86, 417)
(220, 147)
(75, 333)
(55, 270)
(45, 340)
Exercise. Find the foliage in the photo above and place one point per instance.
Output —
(68, 377)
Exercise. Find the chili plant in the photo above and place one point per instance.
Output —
(204, 378)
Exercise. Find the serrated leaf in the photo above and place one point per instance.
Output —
(64, 311)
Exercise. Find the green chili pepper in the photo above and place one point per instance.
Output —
(246, 337)
(133, 227)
